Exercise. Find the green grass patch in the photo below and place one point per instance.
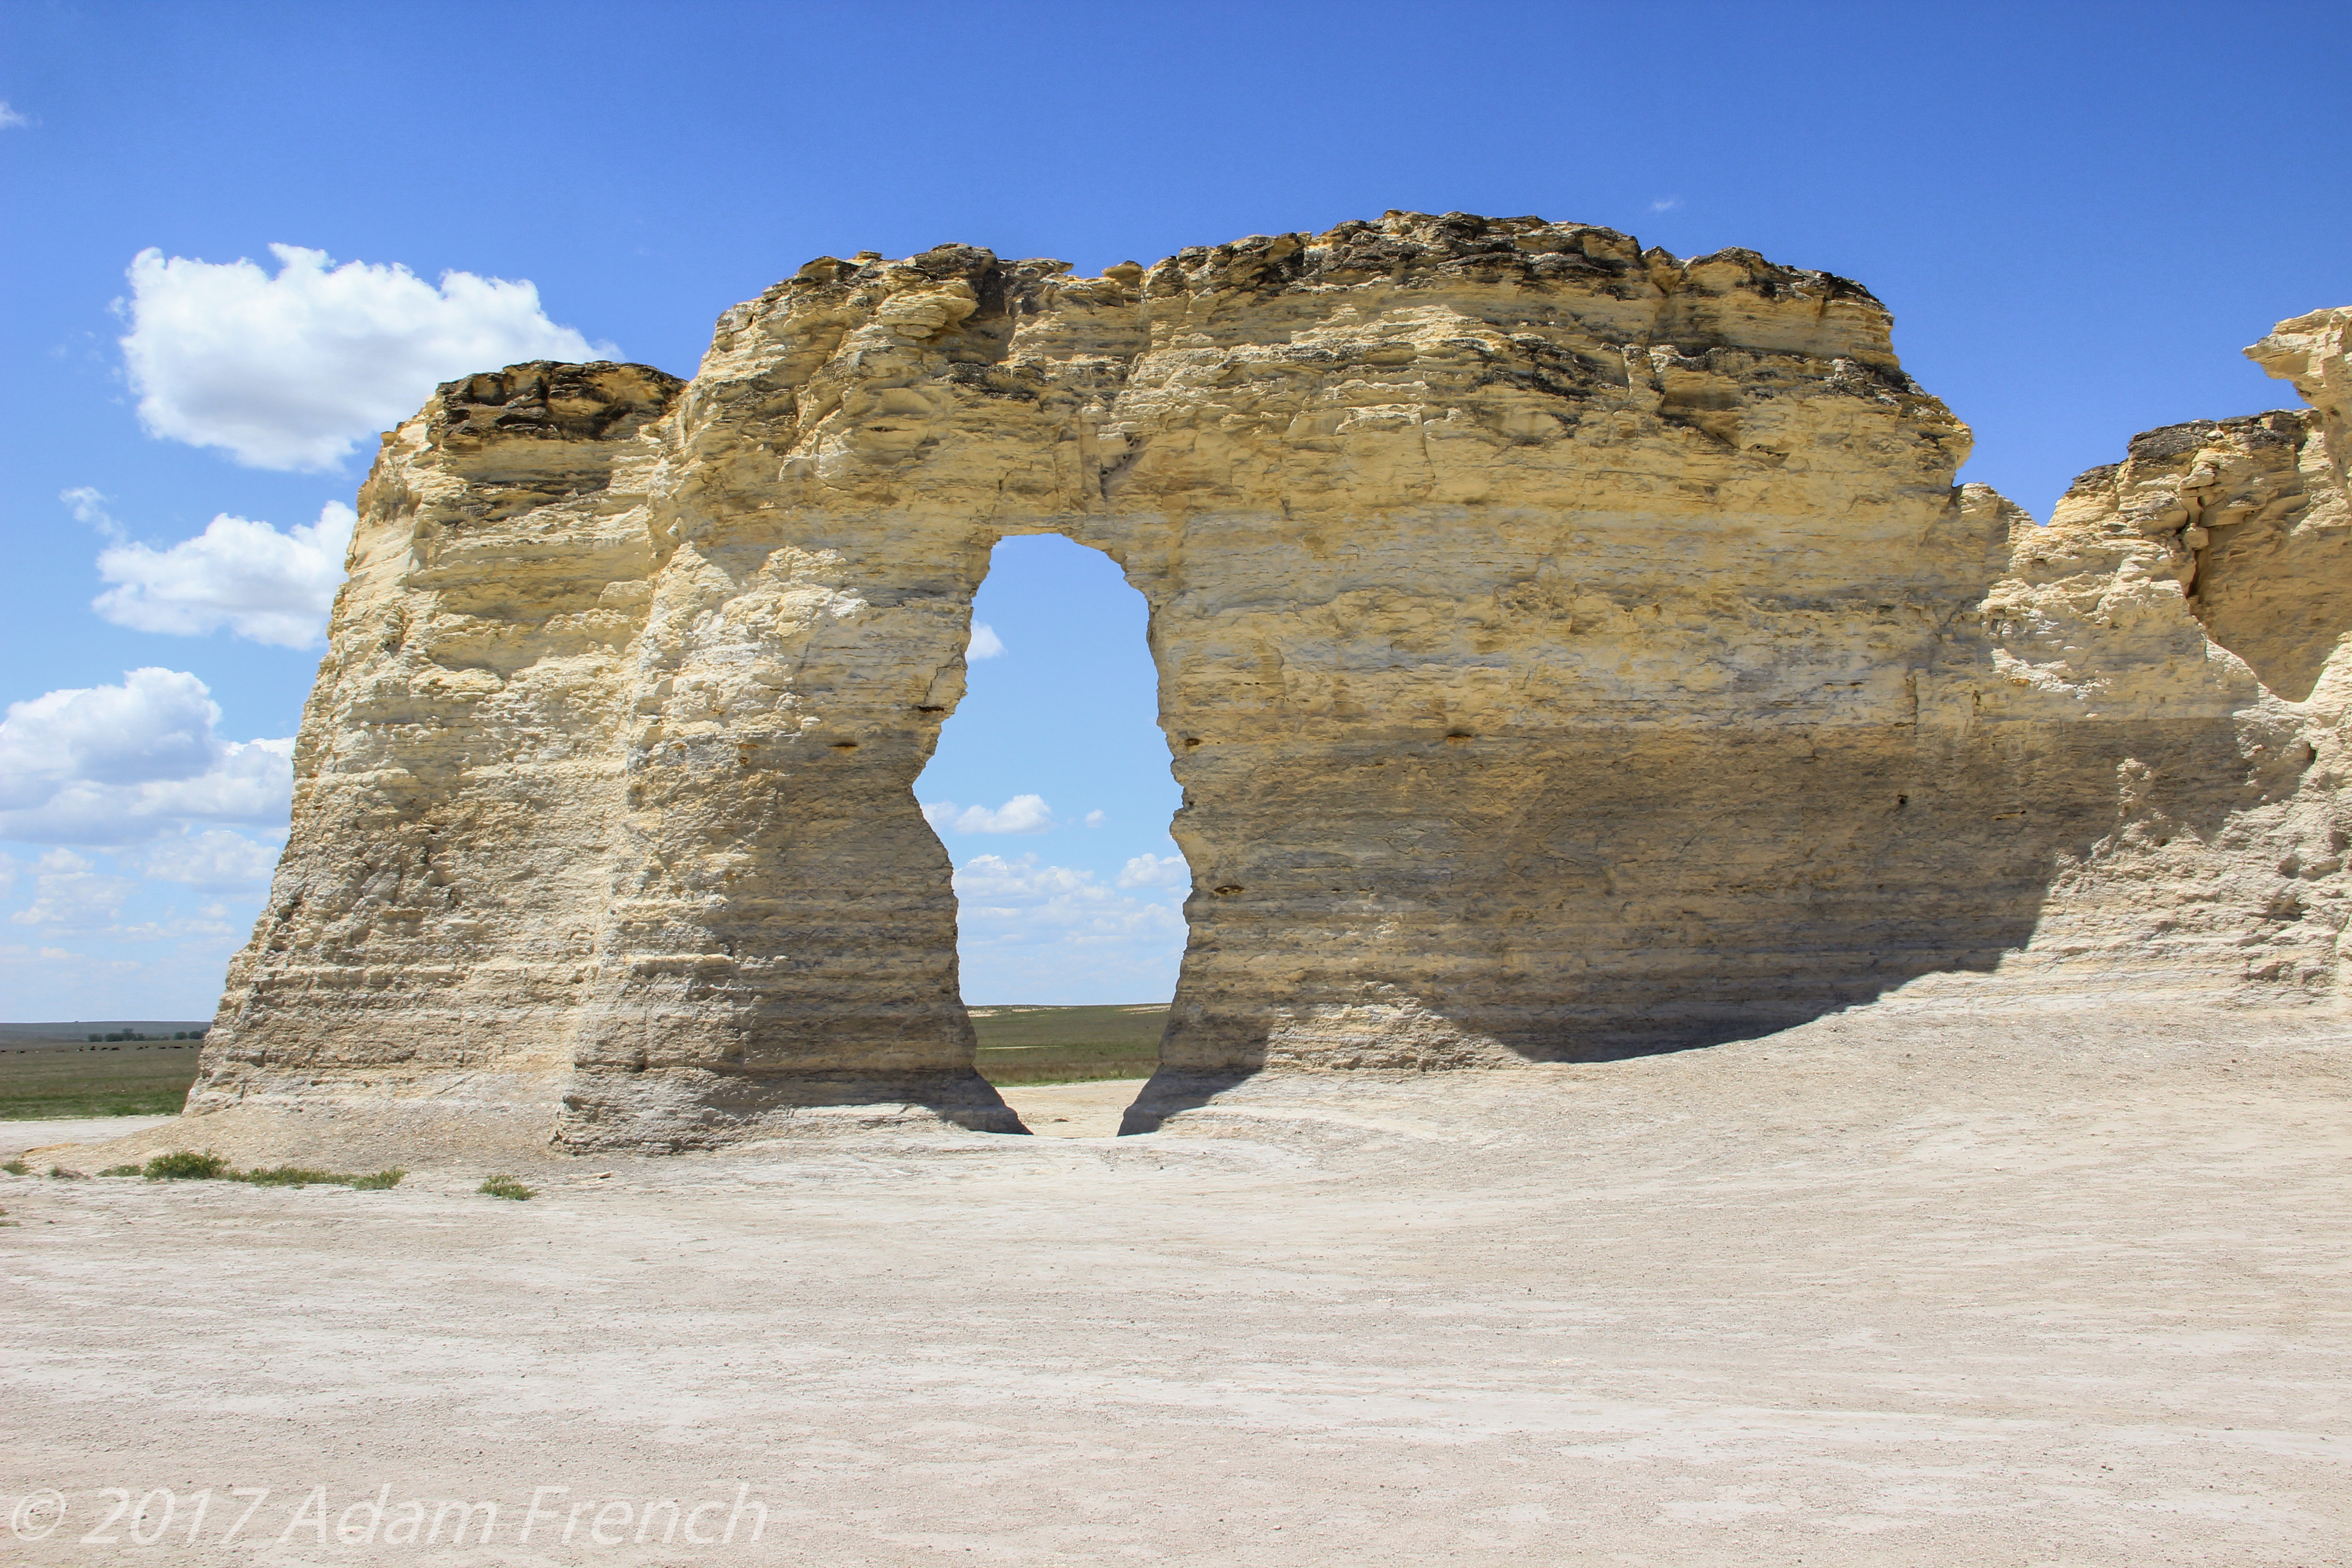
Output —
(211, 1167)
(298, 1176)
(504, 1187)
(288, 1176)
(49, 1081)
(1067, 1045)
(17, 1168)
(187, 1167)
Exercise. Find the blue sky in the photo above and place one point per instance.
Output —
(2078, 213)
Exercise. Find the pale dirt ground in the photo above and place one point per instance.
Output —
(15, 1137)
(1073, 1110)
(1886, 1289)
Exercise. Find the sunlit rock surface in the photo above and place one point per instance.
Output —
(1566, 651)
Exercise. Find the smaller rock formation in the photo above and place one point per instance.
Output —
(2181, 621)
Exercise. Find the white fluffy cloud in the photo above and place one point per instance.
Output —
(1025, 896)
(1028, 931)
(70, 894)
(213, 857)
(260, 584)
(9, 118)
(1156, 871)
(142, 924)
(1022, 813)
(116, 764)
(985, 643)
(291, 370)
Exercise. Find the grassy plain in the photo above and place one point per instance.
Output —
(50, 1080)
(1068, 1044)
(55, 1080)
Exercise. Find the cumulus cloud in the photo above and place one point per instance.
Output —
(1025, 895)
(89, 506)
(1022, 813)
(116, 765)
(291, 370)
(70, 893)
(214, 857)
(1156, 871)
(156, 725)
(985, 643)
(1031, 931)
(269, 586)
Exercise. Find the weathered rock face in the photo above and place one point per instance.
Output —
(1566, 650)
(459, 780)
(2178, 626)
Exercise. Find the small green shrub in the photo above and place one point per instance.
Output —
(187, 1167)
(504, 1187)
(291, 1176)
(60, 1174)
(298, 1176)
(119, 1171)
(17, 1168)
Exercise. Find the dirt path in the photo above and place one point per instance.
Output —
(1880, 1291)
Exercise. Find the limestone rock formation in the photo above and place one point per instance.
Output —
(2178, 623)
(1566, 650)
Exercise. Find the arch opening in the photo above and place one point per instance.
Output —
(1051, 790)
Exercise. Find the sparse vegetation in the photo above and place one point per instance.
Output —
(181, 1166)
(292, 1176)
(17, 1168)
(58, 1173)
(211, 1167)
(298, 1176)
(1068, 1044)
(504, 1187)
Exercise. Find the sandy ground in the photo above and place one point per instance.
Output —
(1073, 1110)
(15, 1137)
(1880, 1290)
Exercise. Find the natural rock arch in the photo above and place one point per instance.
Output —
(1566, 651)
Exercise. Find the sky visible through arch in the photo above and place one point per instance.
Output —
(243, 238)
(1075, 895)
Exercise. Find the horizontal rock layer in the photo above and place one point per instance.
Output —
(1566, 651)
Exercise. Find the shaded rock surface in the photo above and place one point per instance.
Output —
(1567, 650)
